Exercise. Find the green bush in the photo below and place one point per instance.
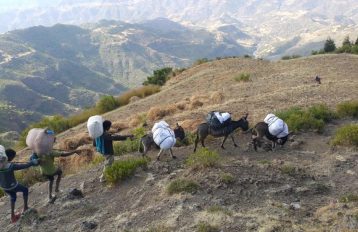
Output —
(243, 77)
(188, 140)
(159, 77)
(107, 103)
(288, 170)
(219, 209)
(29, 176)
(349, 198)
(287, 57)
(313, 118)
(201, 61)
(203, 158)
(122, 169)
(348, 109)
(205, 227)
(227, 178)
(127, 146)
(182, 185)
(346, 136)
(2, 193)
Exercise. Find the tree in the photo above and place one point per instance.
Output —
(329, 45)
(356, 43)
(346, 42)
(159, 77)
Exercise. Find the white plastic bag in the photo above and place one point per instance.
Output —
(222, 117)
(95, 126)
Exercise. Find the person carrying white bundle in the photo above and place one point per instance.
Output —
(164, 137)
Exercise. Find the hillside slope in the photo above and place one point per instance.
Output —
(292, 189)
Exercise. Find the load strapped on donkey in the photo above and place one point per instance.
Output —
(217, 119)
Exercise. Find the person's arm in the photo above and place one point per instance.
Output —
(116, 137)
(68, 153)
(17, 166)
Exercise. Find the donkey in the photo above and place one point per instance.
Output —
(147, 141)
(261, 130)
(205, 129)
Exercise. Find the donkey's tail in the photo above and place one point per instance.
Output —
(140, 146)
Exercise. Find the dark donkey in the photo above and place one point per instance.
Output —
(261, 131)
(205, 129)
(147, 141)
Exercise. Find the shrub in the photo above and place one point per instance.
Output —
(349, 198)
(205, 227)
(346, 136)
(348, 109)
(97, 159)
(188, 140)
(128, 145)
(107, 103)
(159, 77)
(122, 169)
(201, 61)
(329, 45)
(227, 178)
(203, 158)
(287, 57)
(2, 193)
(29, 176)
(141, 92)
(288, 170)
(313, 118)
(219, 209)
(182, 185)
(243, 77)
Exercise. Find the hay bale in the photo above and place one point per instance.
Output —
(195, 104)
(217, 97)
(119, 125)
(74, 142)
(190, 124)
(182, 105)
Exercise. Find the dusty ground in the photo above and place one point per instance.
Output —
(262, 196)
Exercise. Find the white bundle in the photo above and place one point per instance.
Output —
(163, 135)
(40, 141)
(95, 126)
(277, 127)
(222, 117)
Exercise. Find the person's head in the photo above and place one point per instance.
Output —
(107, 125)
(10, 153)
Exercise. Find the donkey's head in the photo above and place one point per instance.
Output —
(179, 132)
(244, 123)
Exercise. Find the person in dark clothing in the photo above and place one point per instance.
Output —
(104, 145)
(8, 181)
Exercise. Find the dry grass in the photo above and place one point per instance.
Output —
(217, 97)
(75, 163)
(74, 142)
(140, 92)
(138, 120)
(190, 124)
(119, 125)
(159, 112)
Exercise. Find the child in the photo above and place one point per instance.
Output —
(49, 170)
(104, 145)
(8, 182)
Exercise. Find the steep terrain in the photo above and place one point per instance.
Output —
(295, 188)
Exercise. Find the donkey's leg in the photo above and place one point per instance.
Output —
(222, 144)
(196, 142)
(233, 140)
(171, 153)
(160, 152)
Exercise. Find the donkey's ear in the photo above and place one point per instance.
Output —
(245, 116)
(178, 125)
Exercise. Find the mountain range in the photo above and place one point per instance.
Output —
(63, 68)
(272, 28)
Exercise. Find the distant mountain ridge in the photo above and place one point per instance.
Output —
(60, 69)
(273, 28)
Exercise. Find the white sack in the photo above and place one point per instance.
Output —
(277, 127)
(163, 135)
(2, 150)
(222, 117)
(95, 126)
(39, 141)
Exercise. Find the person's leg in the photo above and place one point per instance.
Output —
(50, 186)
(25, 194)
(12, 195)
(58, 180)
(107, 163)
